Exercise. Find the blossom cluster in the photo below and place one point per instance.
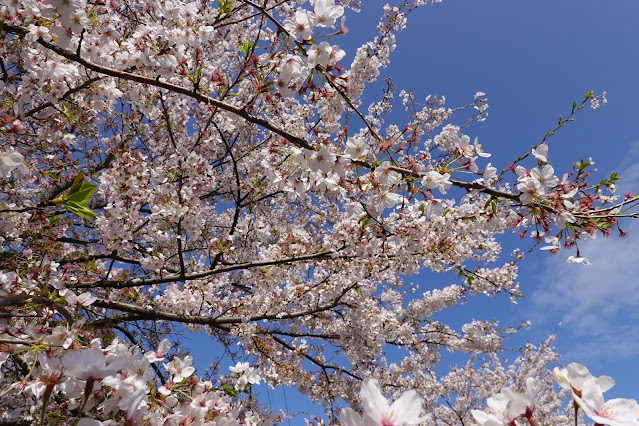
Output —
(505, 407)
(586, 390)
(116, 384)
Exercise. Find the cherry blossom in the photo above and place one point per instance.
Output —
(350, 417)
(578, 259)
(89, 364)
(504, 407)
(326, 12)
(300, 25)
(37, 32)
(321, 160)
(220, 168)
(180, 369)
(434, 179)
(323, 54)
(136, 400)
(85, 299)
(163, 348)
(574, 376)
(405, 411)
(545, 176)
(356, 148)
(247, 375)
(385, 175)
(490, 173)
(615, 412)
(541, 152)
(12, 161)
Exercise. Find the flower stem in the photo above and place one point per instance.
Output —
(87, 392)
(45, 402)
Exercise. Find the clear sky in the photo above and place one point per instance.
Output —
(533, 59)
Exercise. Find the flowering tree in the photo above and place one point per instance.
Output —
(213, 166)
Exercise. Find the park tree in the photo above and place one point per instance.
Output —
(174, 166)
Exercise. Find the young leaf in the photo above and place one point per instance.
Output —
(80, 209)
(229, 390)
(83, 194)
(246, 47)
(225, 6)
(76, 183)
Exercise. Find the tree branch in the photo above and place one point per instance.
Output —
(155, 82)
(137, 282)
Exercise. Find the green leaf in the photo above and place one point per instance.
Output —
(225, 6)
(52, 175)
(65, 110)
(76, 183)
(615, 178)
(247, 47)
(83, 194)
(582, 165)
(80, 209)
(229, 390)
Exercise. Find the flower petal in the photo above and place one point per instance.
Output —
(374, 402)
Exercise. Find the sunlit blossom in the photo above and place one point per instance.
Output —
(405, 411)
(89, 364)
(12, 161)
(326, 12)
(614, 412)
(578, 259)
(575, 375)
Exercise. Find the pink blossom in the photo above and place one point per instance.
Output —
(89, 365)
(574, 376)
(356, 148)
(614, 412)
(541, 153)
(300, 25)
(407, 410)
(10, 161)
(327, 13)
(319, 54)
(504, 407)
(163, 348)
(83, 300)
(180, 369)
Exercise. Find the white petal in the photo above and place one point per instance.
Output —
(408, 408)
(348, 417)
(485, 419)
(374, 402)
(605, 383)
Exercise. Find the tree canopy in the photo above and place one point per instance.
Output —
(214, 166)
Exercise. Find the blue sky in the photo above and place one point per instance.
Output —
(533, 59)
